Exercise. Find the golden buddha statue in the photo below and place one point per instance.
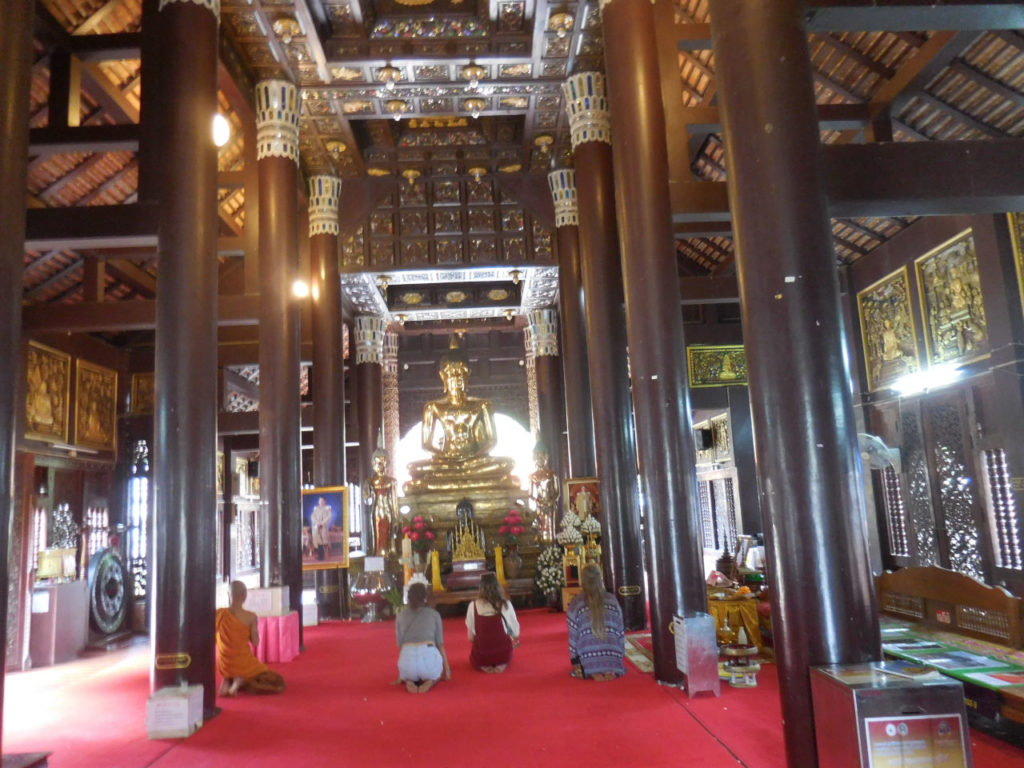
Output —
(459, 431)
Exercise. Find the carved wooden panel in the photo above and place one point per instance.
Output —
(887, 330)
(919, 499)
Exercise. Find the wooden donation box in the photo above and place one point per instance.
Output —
(60, 622)
(866, 717)
(174, 712)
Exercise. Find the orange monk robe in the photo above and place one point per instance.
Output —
(236, 659)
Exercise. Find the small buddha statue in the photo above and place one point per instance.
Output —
(379, 492)
(544, 493)
(458, 430)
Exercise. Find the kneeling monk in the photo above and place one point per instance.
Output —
(236, 628)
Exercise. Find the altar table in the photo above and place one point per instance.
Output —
(279, 637)
(740, 612)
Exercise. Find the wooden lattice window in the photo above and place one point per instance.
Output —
(97, 519)
(137, 535)
(39, 528)
(895, 514)
(1003, 522)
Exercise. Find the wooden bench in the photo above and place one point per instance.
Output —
(952, 602)
(947, 605)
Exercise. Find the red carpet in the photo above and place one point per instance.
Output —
(340, 710)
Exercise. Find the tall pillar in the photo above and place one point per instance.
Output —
(370, 398)
(389, 389)
(550, 411)
(823, 604)
(575, 364)
(277, 157)
(183, 569)
(15, 86)
(328, 375)
(661, 398)
(606, 343)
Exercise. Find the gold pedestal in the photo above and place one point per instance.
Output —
(490, 506)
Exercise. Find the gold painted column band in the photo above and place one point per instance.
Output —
(563, 192)
(370, 332)
(629, 590)
(544, 332)
(587, 107)
(324, 193)
(212, 5)
(277, 120)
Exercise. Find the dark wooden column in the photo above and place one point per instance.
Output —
(606, 344)
(280, 452)
(183, 569)
(328, 374)
(661, 401)
(546, 364)
(823, 604)
(575, 365)
(370, 404)
(15, 86)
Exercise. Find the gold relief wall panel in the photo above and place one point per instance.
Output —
(716, 366)
(887, 330)
(48, 378)
(1016, 221)
(143, 392)
(721, 437)
(95, 406)
(952, 305)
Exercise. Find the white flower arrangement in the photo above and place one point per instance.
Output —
(549, 575)
(569, 536)
(570, 520)
(591, 525)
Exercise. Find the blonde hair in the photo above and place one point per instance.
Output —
(593, 595)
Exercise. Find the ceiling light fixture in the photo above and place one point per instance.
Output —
(510, 315)
(336, 147)
(396, 108)
(561, 23)
(474, 106)
(477, 172)
(221, 130)
(411, 174)
(402, 319)
(287, 28)
(474, 73)
(383, 281)
(516, 276)
(300, 289)
(389, 76)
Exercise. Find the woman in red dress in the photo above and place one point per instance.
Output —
(493, 627)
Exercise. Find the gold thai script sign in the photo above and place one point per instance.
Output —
(629, 590)
(180, 660)
(887, 330)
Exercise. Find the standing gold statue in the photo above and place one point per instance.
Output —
(380, 492)
(459, 431)
(544, 494)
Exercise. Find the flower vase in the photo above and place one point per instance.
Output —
(513, 562)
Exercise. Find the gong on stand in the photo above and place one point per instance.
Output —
(109, 582)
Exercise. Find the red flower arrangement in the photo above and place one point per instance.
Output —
(511, 527)
(419, 534)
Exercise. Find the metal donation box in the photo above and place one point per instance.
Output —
(866, 718)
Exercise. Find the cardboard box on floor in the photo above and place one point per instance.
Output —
(174, 712)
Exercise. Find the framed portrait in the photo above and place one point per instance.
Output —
(95, 406)
(143, 392)
(887, 330)
(48, 381)
(325, 528)
(717, 366)
(952, 305)
(583, 496)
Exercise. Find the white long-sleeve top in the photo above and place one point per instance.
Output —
(486, 609)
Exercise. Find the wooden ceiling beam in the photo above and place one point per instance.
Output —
(83, 167)
(94, 226)
(831, 117)
(109, 95)
(864, 59)
(109, 183)
(96, 18)
(305, 19)
(42, 261)
(988, 83)
(52, 280)
(894, 179)
(134, 315)
(132, 276)
(88, 138)
(912, 15)
(962, 117)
